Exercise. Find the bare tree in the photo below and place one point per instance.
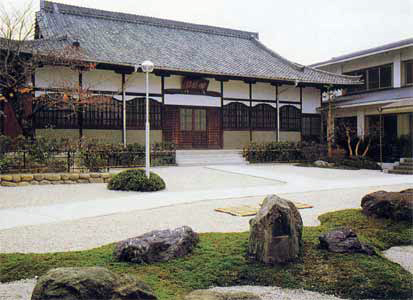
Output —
(330, 120)
(16, 63)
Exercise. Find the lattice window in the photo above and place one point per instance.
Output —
(263, 116)
(136, 113)
(311, 125)
(290, 117)
(235, 116)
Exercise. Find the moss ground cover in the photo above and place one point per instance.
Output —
(220, 259)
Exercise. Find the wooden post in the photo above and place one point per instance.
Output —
(222, 114)
(301, 112)
(80, 109)
(321, 117)
(163, 104)
(250, 111)
(278, 113)
(123, 111)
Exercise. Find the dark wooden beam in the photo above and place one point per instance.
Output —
(222, 114)
(250, 110)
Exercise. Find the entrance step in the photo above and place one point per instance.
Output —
(405, 167)
(209, 157)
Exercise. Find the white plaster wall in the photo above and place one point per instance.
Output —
(173, 82)
(214, 86)
(263, 91)
(407, 53)
(56, 77)
(135, 83)
(236, 89)
(103, 80)
(192, 100)
(289, 93)
(311, 100)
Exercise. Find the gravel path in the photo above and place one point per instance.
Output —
(93, 232)
(18, 290)
(402, 255)
(272, 293)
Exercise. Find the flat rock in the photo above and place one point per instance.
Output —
(276, 232)
(394, 205)
(89, 283)
(343, 241)
(158, 245)
(215, 295)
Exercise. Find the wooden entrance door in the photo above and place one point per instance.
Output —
(193, 128)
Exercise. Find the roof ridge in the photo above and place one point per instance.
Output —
(140, 19)
(387, 46)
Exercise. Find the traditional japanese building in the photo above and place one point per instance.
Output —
(212, 87)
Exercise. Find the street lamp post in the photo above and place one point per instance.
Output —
(147, 67)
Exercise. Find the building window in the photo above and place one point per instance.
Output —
(235, 116)
(408, 66)
(374, 78)
(98, 112)
(186, 119)
(136, 113)
(290, 117)
(263, 117)
(311, 127)
(200, 122)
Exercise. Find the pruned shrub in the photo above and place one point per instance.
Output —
(136, 180)
(356, 162)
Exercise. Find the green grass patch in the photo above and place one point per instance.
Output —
(220, 260)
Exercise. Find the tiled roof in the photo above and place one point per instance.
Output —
(374, 97)
(366, 52)
(125, 39)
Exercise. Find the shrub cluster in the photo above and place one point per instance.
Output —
(356, 162)
(283, 152)
(136, 180)
(58, 155)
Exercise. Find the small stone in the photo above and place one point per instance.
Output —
(69, 182)
(64, 176)
(38, 177)
(84, 176)
(53, 177)
(343, 241)
(57, 182)
(23, 183)
(8, 184)
(157, 245)
(73, 176)
(27, 177)
(90, 283)
(106, 175)
(44, 182)
(96, 180)
(214, 295)
(7, 177)
(95, 175)
(17, 178)
(34, 182)
(82, 181)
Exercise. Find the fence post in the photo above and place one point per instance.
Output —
(68, 161)
(24, 159)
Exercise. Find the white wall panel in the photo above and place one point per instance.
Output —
(311, 100)
(135, 83)
(289, 93)
(56, 77)
(102, 80)
(192, 100)
(236, 89)
(263, 91)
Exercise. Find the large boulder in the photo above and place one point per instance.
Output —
(276, 232)
(214, 295)
(343, 241)
(89, 283)
(394, 205)
(158, 245)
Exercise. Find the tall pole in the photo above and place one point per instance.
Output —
(124, 110)
(147, 128)
(381, 136)
(278, 113)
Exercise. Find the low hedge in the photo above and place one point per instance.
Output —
(283, 152)
(355, 162)
(136, 180)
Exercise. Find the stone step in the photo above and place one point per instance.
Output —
(401, 172)
(407, 159)
(403, 166)
(209, 157)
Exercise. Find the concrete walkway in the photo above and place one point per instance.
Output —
(194, 184)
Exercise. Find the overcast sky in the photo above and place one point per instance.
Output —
(304, 31)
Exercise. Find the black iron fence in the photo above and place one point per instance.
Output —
(78, 161)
